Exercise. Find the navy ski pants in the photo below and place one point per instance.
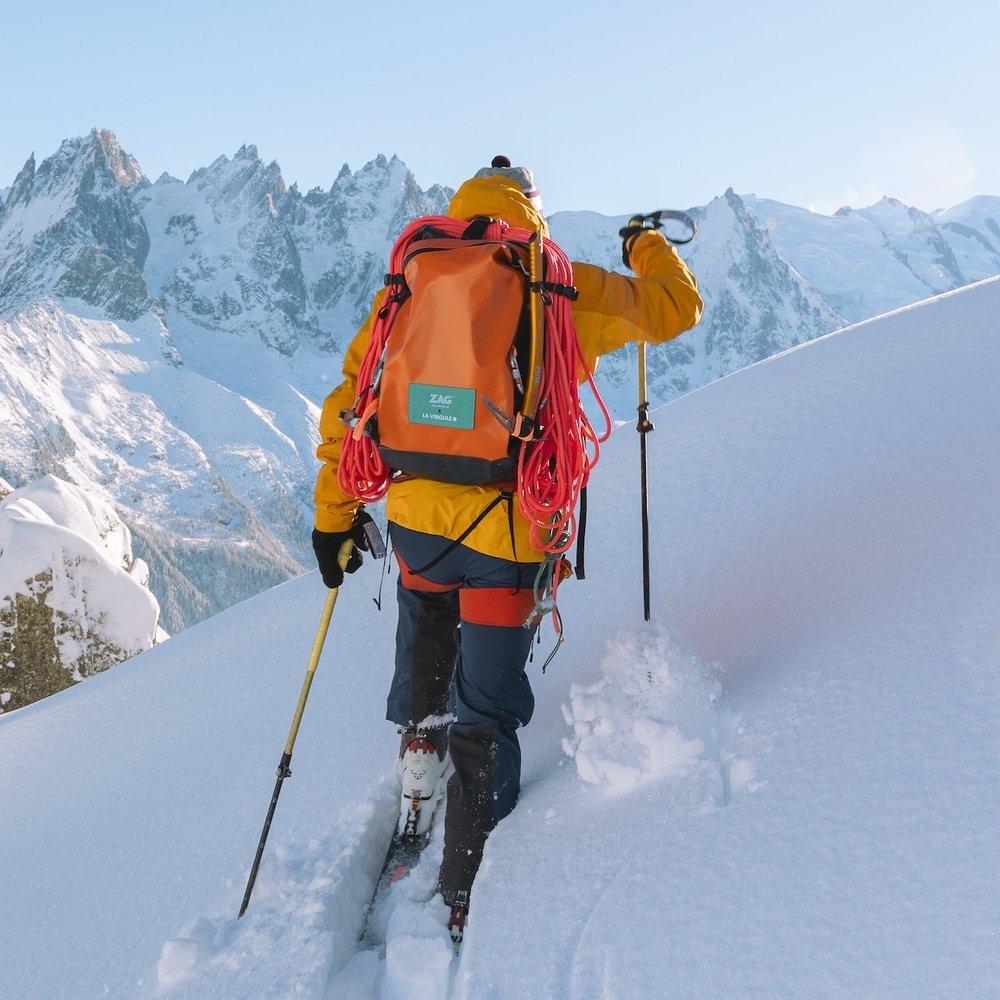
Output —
(492, 698)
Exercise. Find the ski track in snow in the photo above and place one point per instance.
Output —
(655, 716)
(305, 915)
(308, 916)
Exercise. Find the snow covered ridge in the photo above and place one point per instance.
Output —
(73, 598)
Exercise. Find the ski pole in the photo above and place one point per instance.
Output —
(650, 220)
(655, 220)
(284, 770)
(644, 426)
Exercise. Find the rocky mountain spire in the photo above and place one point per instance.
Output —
(122, 165)
(70, 227)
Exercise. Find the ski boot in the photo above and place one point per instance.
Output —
(423, 757)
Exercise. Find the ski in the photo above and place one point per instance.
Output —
(401, 857)
(424, 770)
(457, 920)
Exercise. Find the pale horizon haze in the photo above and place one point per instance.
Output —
(633, 107)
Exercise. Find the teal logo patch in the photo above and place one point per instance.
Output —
(442, 406)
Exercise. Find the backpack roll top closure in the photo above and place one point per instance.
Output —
(449, 385)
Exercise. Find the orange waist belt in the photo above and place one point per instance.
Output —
(505, 606)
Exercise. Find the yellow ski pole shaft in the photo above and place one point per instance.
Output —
(284, 769)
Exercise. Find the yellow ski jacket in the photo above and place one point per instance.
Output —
(611, 310)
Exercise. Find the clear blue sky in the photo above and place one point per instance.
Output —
(627, 108)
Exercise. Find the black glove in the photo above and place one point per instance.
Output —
(629, 234)
(327, 544)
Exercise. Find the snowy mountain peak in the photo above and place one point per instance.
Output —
(215, 286)
(20, 190)
(84, 164)
(125, 168)
(242, 178)
(70, 229)
(89, 162)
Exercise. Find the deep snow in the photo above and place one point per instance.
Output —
(784, 785)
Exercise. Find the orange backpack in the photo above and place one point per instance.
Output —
(471, 374)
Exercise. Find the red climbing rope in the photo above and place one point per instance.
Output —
(554, 463)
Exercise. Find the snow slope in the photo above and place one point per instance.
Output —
(784, 785)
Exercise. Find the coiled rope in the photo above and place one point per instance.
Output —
(554, 464)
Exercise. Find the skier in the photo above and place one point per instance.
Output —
(483, 583)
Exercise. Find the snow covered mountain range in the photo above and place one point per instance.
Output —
(166, 345)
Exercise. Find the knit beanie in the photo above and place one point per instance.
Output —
(521, 176)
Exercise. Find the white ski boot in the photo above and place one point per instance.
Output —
(423, 759)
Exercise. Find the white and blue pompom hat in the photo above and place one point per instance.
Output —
(521, 176)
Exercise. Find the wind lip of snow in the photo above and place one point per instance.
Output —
(51, 527)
